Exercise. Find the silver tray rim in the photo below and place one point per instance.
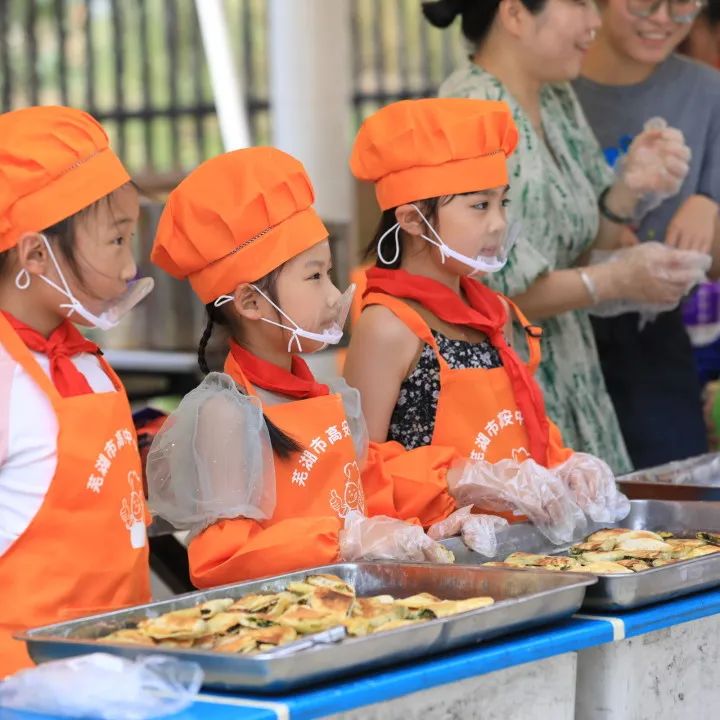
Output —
(603, 596)
(36, 634)
(525, 607)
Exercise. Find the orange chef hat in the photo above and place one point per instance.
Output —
(54, 161)
(417, 149)
(236, 218)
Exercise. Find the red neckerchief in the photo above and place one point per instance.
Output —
(484, 312)
(64, 342)
(298, 383)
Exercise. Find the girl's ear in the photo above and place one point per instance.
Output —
(410, 220)
(246, 302)
(32, 254)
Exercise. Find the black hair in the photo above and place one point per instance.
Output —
(711, 13)
(387, 221)
(283, 445)
(64, 234)
(429, 208)
(477, 15)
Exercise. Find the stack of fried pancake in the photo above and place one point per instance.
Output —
(617, 551)
(261, 622)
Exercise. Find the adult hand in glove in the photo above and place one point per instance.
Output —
(650, 273)
(384, 538)
(592, 486)
(479, 532)
(656, 163)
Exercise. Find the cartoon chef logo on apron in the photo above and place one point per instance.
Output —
(132, 511)
(353, 497)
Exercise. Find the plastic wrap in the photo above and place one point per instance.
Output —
(105, 686)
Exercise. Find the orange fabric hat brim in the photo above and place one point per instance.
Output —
(81, 186)
(259, 256)
(450, 178)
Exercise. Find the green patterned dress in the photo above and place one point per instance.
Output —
(554, 195)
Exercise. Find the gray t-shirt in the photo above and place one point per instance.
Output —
(687, 95)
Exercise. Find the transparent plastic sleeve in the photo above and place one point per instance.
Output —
(592, 485)
(212, 459)
(384, 538)
(528, 487)
(479, 532)
(356, 419)
(104, 686)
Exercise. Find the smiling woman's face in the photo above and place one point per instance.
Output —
(644, 40)
(555, 40)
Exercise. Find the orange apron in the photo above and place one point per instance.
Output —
(476, 410)
(86, 549)
(315, 489)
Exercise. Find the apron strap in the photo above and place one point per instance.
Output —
(233, 369)
(105, 365)
(533, 333)
(411, 318)
(417, 324)
(24, 357)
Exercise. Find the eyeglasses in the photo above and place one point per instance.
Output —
(680, 11)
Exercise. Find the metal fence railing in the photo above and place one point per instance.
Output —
(139, 66)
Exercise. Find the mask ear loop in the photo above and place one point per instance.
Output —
(22, 280)
(294, 337)
(67, 292)
(225, 299)
(396, 256)
(438, 242)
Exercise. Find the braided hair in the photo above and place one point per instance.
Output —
(283, 445)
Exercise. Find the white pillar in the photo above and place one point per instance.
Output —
(311, 94)
(224, 75)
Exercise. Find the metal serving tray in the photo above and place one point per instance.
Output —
(522, 599)
(623, 592)
(695, 479)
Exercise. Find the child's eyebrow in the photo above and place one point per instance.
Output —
(486, 192)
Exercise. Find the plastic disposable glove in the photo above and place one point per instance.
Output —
(649, 274)
(655, 165)
(384, 538)
(592, 486)
(479, 532)
(528, 487)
